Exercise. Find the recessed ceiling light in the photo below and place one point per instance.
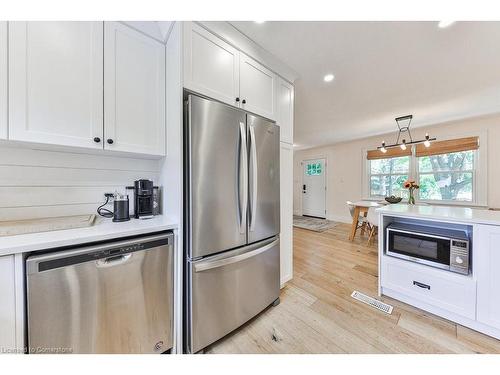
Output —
(443, 24)
(260, 21)
(329, 78)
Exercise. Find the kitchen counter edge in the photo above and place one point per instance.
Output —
(443, 213)
(103, 230)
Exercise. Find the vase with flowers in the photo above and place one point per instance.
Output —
(411, 185)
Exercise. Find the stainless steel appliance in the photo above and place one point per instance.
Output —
(232, 219)
(115, 297)
(437, 247)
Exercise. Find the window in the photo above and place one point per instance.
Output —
(387, 176)
(313, 169)
(447, 176)
(447, 171)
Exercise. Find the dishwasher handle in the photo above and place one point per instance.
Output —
(113, 261)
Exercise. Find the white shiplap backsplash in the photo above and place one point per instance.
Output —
(36, 183)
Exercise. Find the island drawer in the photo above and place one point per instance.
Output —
(436, 287)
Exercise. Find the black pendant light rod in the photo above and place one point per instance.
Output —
(405, 129)
(407, 143)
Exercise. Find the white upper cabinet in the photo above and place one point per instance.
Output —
(257, 87)
(220, 71)
(285, 97)
(486, 264)
(55, 83)
(134, 91)
(3, 79)
(211, 66)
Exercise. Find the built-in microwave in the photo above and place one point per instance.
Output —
(444, 248)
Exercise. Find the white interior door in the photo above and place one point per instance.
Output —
(314, 188)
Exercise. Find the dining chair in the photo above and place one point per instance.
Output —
(362, 221)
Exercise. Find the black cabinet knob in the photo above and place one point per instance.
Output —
(110, 141)
(237, 99)
(244, 101)
(97, 139)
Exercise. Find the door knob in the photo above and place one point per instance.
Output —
(110, 141)
(97, 139)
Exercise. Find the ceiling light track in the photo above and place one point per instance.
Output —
(404, 123)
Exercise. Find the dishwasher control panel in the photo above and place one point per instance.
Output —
(46, 262)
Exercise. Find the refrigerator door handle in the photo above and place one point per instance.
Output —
(253, 196)
(234, 259)
(243, 179)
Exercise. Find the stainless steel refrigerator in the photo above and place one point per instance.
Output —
(232, 219)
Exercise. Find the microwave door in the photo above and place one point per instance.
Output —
(427, 249)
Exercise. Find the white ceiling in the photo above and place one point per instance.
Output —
(383, 70)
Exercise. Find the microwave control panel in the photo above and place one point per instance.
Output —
(459, 256)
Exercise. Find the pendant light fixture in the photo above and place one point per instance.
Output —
(404, 123)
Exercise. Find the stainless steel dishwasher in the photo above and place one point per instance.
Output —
(115, 297)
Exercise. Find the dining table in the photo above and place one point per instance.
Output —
(361, 208)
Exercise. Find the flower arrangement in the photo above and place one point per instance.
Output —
(411, 185)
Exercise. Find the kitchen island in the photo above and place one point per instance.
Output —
(432, 272)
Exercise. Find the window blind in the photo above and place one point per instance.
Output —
(391, 153)
(446, 147)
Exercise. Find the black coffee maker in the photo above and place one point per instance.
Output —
(143, 199)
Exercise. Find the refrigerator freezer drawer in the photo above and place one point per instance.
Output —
(229, 289)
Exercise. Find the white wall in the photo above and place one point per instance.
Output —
(35, 183)
(345, 162)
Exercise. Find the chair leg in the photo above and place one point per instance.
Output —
(363, 228)
(372, 233)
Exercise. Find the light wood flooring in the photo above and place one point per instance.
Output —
(318, 315)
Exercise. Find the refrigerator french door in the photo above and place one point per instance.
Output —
(232, 219)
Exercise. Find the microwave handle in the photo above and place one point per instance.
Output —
(421, 285)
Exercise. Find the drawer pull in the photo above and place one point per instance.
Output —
(422, 285)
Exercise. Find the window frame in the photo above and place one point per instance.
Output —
(450, 201)
(479, 178)
(379, 197)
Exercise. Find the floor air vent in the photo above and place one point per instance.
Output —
(372, 302)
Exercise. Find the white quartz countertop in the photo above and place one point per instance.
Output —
(103, 229)
(444, 213)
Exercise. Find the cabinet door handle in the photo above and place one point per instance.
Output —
(244, 101)
(110, 141)
(97, 139)
(237, 99)
(422, 285)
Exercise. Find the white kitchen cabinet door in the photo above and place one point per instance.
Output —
(55, 83)
(8, 305)
(257, 88)
(134, 91)
(3, 80)
(211, 66)
(486, 263)
(285, 98)
(286, 207)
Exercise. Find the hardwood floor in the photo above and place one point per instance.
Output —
(318, 315)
